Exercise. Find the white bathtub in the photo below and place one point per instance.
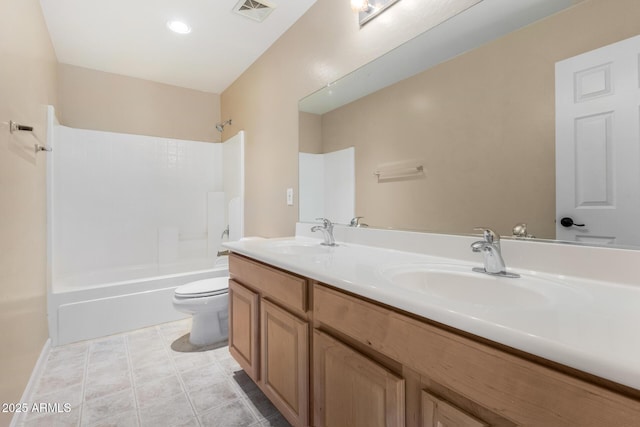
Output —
(93, 305)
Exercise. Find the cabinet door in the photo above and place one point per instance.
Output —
(244, 328)
(438, 413)
(352, 390)
(285, 362)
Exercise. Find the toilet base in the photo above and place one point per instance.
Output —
(209, 328)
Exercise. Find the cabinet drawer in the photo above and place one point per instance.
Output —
(287, 289)
(514, 388)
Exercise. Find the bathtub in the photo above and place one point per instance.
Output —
(86, 306)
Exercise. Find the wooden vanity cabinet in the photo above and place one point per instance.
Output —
(356, 363)
(269, 333)
(454, 380)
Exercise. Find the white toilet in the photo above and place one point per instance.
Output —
(208, 301)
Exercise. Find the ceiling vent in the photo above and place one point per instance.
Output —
(254, 9)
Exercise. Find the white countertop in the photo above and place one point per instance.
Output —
(592, 326)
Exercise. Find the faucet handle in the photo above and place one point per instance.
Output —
(488, 234)
(325, 222)
(355, 221)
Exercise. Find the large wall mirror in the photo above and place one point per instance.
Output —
(470, 108)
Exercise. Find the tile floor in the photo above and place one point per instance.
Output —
(146, 378)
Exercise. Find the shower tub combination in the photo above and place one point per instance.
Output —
(131, 218)
(96, 305)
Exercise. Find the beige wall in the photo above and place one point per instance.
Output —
(90, 99)
(323, 45)
(310, 133)
(27, 85)
(484, 124)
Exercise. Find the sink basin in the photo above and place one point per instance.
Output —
(460, 283)
(297, 247)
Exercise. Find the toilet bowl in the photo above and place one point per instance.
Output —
(208, 302)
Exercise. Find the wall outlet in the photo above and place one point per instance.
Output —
(289, 196)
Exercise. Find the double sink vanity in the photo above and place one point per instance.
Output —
(393, 328)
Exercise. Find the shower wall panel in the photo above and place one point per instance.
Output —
(122, 201)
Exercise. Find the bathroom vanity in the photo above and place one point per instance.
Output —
(332, 341)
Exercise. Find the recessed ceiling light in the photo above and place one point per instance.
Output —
(179, 27)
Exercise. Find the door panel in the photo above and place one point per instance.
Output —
(243, 328)
(438, 413)
(598, 145)
(285, 362)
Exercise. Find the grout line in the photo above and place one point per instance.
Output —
(84, 382)
(132, 379)
(166, 346)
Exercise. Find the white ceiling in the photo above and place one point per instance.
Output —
(130, 37)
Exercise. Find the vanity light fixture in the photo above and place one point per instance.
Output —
(360, 5)
(369, 9)
(179, 27)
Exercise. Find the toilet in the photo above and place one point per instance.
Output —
(208, 302)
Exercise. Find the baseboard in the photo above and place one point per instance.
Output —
(31, 385)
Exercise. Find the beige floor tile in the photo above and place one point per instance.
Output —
(148, 356)
(71, 395)
(199, 378)
(103, 408)
(67, 352)
(62, 419)
(106, 384)
(119, 365)
(188, 361)
(235, 414)
(215, 394)
(60, 378)
(150, 392)
(124, 419)
(149, 377)
(229, 365)
(173, 412)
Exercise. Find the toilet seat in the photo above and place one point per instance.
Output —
(203, 288)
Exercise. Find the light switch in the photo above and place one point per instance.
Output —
(289, 196)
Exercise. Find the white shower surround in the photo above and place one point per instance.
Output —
(130, 218)
(126, 200)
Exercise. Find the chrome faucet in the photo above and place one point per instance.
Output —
(225, 233)
(327, 231)
(490, 248)
(355, 222)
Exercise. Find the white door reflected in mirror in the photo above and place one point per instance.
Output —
(598, 145)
